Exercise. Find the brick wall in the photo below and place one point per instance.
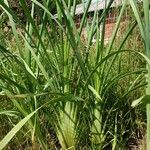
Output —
(109, 28)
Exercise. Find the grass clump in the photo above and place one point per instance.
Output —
(81, 91)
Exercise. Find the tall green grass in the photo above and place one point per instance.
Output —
(52, 76)
(143, 24)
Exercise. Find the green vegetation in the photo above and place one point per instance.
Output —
(58, 91)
